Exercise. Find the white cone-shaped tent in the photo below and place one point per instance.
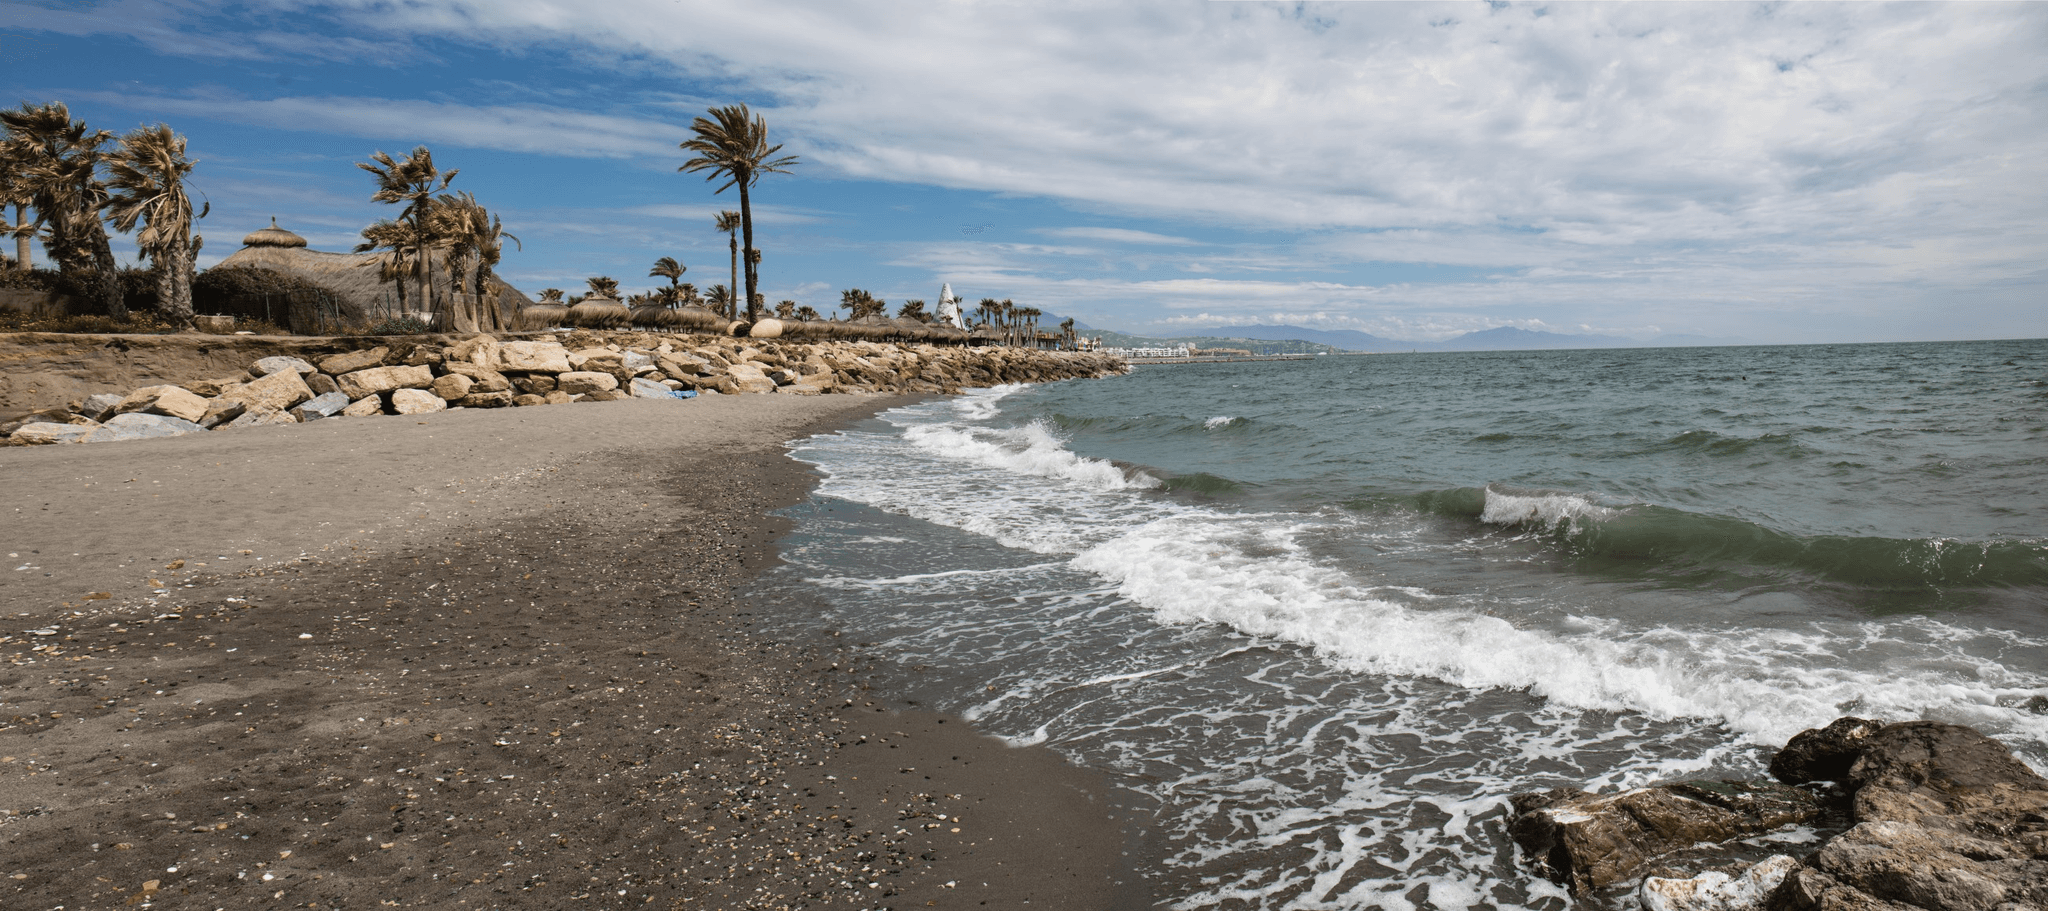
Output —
(949, 308)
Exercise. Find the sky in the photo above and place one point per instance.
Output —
(1774, 172)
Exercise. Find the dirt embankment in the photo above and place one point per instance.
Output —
(42, 370)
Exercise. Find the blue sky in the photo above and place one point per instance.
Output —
(1776, 172)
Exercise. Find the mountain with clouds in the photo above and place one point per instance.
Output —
(1341, 339)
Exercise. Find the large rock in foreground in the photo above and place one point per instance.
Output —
(1946, 818)
(138, 426)
(1587, 841)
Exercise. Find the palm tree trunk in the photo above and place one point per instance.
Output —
(734, 288)
(747, 227)
(106, 275)
(24, 239)
(174, 282)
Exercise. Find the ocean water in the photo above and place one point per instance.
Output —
(1321, 619)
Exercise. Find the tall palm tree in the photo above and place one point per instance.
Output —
(413, 181)
(806, 313)
(667, 267)
(58, 161)
(729, 222)
(1067, 333)
(148, 175)
(733, 143)
(785, 310)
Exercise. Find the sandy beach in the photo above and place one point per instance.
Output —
(478, 659)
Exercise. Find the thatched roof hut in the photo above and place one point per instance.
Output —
(352, 277)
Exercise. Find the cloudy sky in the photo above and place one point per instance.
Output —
(1775, 172)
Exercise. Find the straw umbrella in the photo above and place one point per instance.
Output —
(541, 316)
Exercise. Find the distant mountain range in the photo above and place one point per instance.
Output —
(1504, 338)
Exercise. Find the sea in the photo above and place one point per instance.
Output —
(1318, 620)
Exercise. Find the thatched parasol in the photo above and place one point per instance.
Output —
(535, 317)
(700, 319)
(600, 313)
(913, 329)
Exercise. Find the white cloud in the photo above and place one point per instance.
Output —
(537, 129)
(1119, 236)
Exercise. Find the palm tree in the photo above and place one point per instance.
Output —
(475, 240)
(413, 181)
(1067, 333)
(785, 310)
(14, 191)
(667, 267)
(58, 162)
(915, 310)
(729, 222)
(720, 299)
(686, 294)
(604, 286)
(402, 251)
(733, 143)
(860, 304)
(148, 175)
(806, 313)
(550, 295)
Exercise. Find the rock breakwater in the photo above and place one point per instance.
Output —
(487, 372)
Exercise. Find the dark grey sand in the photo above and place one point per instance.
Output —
(477, 659)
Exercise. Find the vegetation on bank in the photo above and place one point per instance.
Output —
(67, 183)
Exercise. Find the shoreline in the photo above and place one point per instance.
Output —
(495, 661)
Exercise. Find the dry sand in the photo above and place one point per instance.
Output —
(477, 659)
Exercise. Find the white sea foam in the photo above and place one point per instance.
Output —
(1505, 508)
(1031, 450)
(1247, 571)
(1221, 420)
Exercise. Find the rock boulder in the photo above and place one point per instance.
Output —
(101, 406)
(269, 365)
(352, 361)
(42, 432)
(169, 401)
(261, 417)
(585, 382)
(320, 406)
(1587, 841)
(532, 357)
(452, 386)
(1946, 818)
(416, 401)
(139, 426)
(481, 379)
(276, 392)
(376, 380)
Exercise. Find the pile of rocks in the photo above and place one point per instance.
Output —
(1937, 816)
(484, 372)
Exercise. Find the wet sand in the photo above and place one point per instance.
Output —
(478, 659)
